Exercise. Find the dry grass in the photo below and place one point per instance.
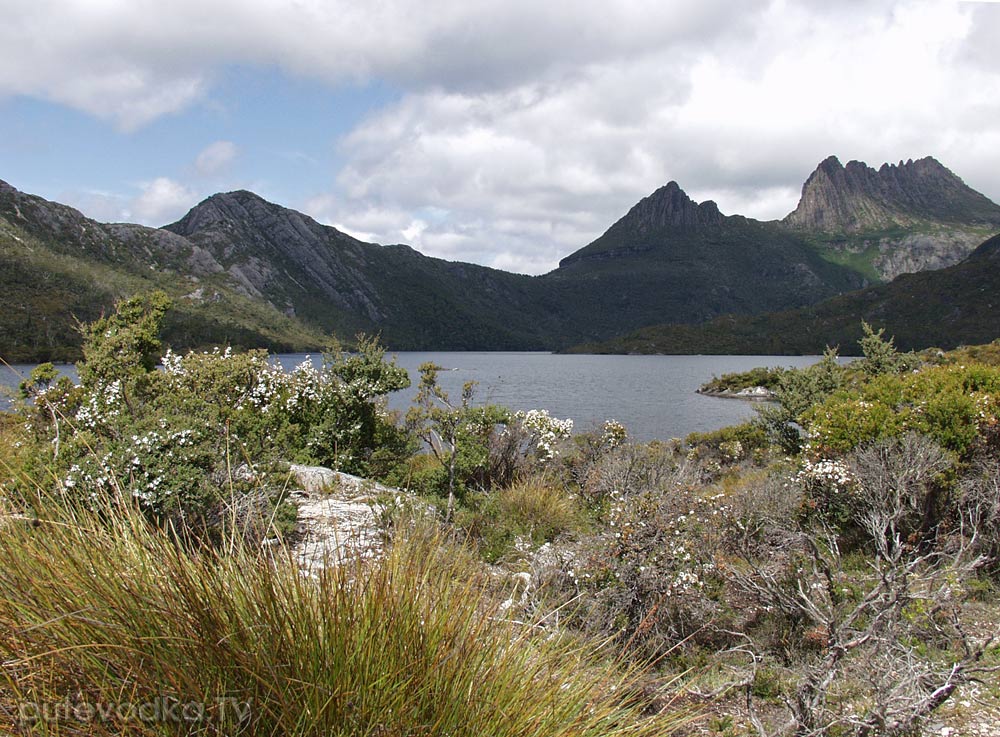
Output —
(99, 608)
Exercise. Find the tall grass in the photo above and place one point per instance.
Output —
(100, 609)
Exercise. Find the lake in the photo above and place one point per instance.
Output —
(653, 396)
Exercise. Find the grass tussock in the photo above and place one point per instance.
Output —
(103, 612)
(540, 506)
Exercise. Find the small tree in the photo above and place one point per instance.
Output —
(881, 356)
(36, 388)
(438, 422)
(124, 347)
(797, 391)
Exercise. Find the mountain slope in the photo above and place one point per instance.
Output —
(252, 272)
(341, 284)
(671, 258)
(667, 258)
(945, 308)
(903, 218)
(57, 267)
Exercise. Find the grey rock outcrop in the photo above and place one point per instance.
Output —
(338, 516)
(857, 198)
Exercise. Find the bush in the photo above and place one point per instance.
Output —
(730, 444)
(797, 392)
(648, 575)
(958, 406)
(182, 441)
(769, 378)
(531, 512)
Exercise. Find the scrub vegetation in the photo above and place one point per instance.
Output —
(829, 568)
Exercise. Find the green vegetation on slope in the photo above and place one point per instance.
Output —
(47, 289)
(945, 308)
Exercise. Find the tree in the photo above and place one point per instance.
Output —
(881, 356)
(124, 347)
(797, 391)
(438, 422)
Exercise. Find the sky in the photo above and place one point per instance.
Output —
(508, 133)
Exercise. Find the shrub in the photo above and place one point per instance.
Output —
(628, 470)
(209, 426)
(479, 447)
(648, 575)
(730, 444)
(958, 406)
(797, 392)
(769, 378)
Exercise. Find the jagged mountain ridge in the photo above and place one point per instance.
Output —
(857, 198)
(901, 218)
(667, 259)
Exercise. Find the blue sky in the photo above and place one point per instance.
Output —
(282, 134)
(503, 132)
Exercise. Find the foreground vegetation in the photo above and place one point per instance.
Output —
(827, 569)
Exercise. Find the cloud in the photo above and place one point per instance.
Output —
(521, 129)
(162, 200)
(530, 172)
(131, 61)
(215, 158)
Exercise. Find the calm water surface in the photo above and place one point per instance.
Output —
(654, 396)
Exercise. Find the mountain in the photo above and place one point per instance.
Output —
(670, 257)
(953, 306)
(667, 257)
(900, 218)
(250, 272)
(57, 267)
(341, 284)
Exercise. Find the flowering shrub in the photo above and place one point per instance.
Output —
(544, 431)
(613, 434)
(649, 574)
(172, 439)
(164, 471)
(729, 444)
(333, 416)
(826, 486)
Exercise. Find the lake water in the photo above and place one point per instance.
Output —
(653, 396)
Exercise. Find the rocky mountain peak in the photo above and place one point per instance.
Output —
(857, 198)
(238, 209)
(670, 207)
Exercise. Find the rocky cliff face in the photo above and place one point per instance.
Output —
(857, 198)
(901, 218)
(279, 254)
(642, 228)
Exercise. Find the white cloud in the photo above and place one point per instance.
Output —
(531, 172)
(524, 129)
(131, 61)
(161, 201)
(215, 158)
